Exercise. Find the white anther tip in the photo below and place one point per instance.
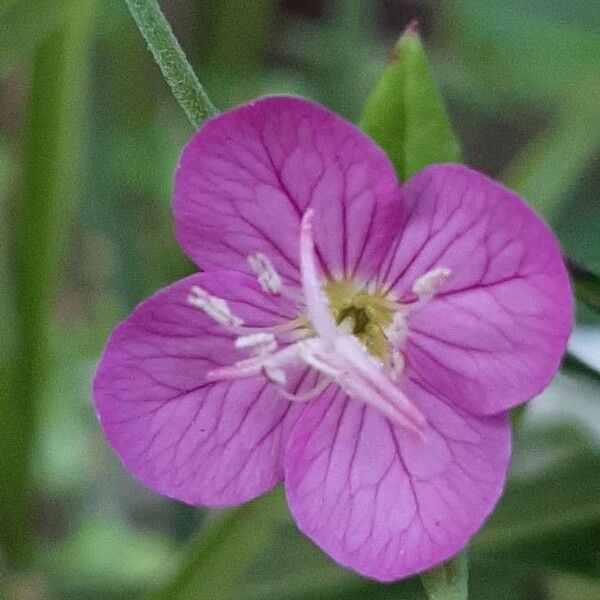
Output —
(427, 284)
(216, 308)
(265, 272)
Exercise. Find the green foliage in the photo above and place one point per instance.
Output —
(107, 551)
(215, 562)
(587, 286)
(405, 115)
(449, 581)
(50, 169)
(25, 24)
(546, 169)
(531, 51)
(551, 518)
(574, 365)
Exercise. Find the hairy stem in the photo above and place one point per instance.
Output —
(172, 61)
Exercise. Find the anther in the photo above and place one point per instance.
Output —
(265, 272)
(397, 331)
(427, 285)
(261, 341)
(216, 308)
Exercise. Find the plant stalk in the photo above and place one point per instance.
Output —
(172, 61)
(51, 164)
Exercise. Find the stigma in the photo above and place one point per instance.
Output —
(351, 336)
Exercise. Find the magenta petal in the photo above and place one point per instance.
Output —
(495, 333)
(380, 501)
(245, 179)
(208, 444)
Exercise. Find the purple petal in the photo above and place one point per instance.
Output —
(202, 443)
(246, 178)
(494, 335)
(382, 502)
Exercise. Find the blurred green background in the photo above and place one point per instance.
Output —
(89, 138)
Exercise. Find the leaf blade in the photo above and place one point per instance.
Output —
(449, 581)
(405, 114)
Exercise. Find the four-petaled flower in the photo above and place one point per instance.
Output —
(360, 341)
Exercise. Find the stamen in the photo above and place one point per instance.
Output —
(269, 363)
(267, 276)
(239, 370)
(264, 345)
(216, 308)
(285, 327)
(275, 374)
(427, 285)
(309, 394)
(397, 331)
(308, 353)
(261, 341)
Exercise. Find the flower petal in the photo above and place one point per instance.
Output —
(383, 502)
(494, 334)
(202, 443)
(246, 178)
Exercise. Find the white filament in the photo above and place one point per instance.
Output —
(397, 331)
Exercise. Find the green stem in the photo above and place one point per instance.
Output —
(50, 164)
(448, 581)
(216, 560)
(172, 61)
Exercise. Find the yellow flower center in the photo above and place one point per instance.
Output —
(367, 314)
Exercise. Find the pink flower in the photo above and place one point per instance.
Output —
(360, 341)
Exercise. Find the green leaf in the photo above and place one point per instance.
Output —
(551, 164)
(517, 53)
(405, 114)
(553, 517)
(292, 567)
(569, 587)
(586, 284)
(217, 560)
(25, 25)
(449, 581)
(41, 220)
(103, 552)
(573, 364)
